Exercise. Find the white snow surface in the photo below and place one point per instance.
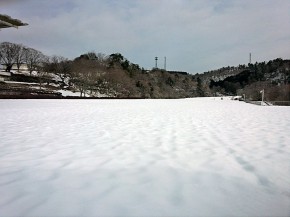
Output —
(69, 93)
(187, 157)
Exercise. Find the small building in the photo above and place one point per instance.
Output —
(5, 76)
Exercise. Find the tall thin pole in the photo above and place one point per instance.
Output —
(250, 58)
(165, 63)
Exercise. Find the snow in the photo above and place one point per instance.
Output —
(19, 82)
(69, 93)
(5, 73)
(187, 157)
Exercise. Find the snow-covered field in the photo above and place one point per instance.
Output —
(187, 157)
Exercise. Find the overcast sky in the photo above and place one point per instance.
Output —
(194, 35)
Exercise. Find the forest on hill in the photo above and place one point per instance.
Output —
(273, 77)
(98, 75)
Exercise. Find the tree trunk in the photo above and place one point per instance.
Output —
(8, 68)
(18, 67)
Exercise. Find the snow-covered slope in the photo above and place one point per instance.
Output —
(188, 157)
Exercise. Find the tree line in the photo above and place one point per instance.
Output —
(92, 72)
(17, 54)
(114, 75)
(272, 76)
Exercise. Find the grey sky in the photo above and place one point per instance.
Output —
(194, 35)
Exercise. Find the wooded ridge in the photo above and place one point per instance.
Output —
(113, 76)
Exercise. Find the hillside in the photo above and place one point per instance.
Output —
(89, 75)
(112, 82)
(272, 76)
(27, 73)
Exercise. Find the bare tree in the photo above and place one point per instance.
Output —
(85, 74)
(33, 59)
(19, 55)
(61, 67)
(102, 59)
(8, 53)
(41, 70)
(91, 55)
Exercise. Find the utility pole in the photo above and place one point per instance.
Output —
(156, 59)
(250, 58)
(165, 63)
(262, 92)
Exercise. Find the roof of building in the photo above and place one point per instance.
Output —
(6, 22)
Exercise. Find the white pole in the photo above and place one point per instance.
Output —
(262, 92)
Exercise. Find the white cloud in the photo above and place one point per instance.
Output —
(8, 2)
(195, 35)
